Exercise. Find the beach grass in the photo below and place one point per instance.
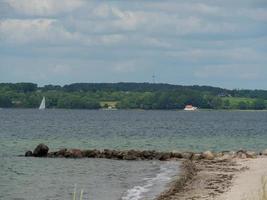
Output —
(75, 193)
(263, 192)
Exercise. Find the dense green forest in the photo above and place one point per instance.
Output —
(129, 96)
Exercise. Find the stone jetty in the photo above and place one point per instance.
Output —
(42, 150)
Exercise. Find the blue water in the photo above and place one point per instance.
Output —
(33, 178)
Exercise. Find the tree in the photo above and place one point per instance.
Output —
(5, 102)
(242, 105)
(259, 104)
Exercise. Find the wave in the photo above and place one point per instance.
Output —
(152, 187)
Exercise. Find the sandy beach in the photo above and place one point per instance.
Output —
(235, 179)
(248, 184)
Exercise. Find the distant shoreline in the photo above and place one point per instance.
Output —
(134, 109)
(125, 95)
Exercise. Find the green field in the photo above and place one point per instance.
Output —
(235, 102)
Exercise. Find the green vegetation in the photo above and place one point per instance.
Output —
(129, 96)
(75, 194)
(263, 192)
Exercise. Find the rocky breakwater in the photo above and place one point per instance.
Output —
(42, 150)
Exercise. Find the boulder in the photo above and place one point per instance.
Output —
(196, 156)
(119, 154)
(74, 153)
(241, 154)
(28, 154)
(108, 153)
(61, 153)
(208, 155)
(225, 156)
(264, 152)
(41, 151)
(91, 153)
(131, 155)
(52, 154)
(187, 155)
(165, 156)
(251, 154)
(175, 154)
(219, 154)
(148, 155)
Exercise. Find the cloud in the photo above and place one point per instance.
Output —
(218, 56)
(129, 39)
(21, 31)
(44, 7)
(229, 72)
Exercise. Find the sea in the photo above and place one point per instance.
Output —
(100, 179)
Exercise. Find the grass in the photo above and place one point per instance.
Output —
(75, 194)
(234, 101)
(262, 193)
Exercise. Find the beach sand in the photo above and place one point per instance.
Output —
(248, 184)
(236, 179)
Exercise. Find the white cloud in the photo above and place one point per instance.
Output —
(18, 31)
(44, 7)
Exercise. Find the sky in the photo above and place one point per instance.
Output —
(194, 42)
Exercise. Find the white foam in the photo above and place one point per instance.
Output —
(167, 171)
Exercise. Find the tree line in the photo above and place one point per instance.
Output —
(129, 96)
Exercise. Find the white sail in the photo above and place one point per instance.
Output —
(42, 105)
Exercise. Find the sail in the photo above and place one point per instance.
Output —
(42, 105)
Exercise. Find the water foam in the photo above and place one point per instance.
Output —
(153, 186)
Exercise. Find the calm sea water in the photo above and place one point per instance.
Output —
(32, 178)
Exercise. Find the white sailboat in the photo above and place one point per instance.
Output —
(42, 105)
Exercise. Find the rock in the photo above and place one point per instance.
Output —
(164, 156)
(175, 154)
(207, 155)
(148, 155)
(61, 153)
(91, 153)
(41, 151)
(187, 155)
(119, 154)
(241, 154)
(74, 153)
(251, 154)
(264, 152)
(131, 155)
(226, 156)
(52, 154)
(108, 153)
(219, 154)
(28, 154)
(196, 156)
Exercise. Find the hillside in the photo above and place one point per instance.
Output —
(129, 96)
